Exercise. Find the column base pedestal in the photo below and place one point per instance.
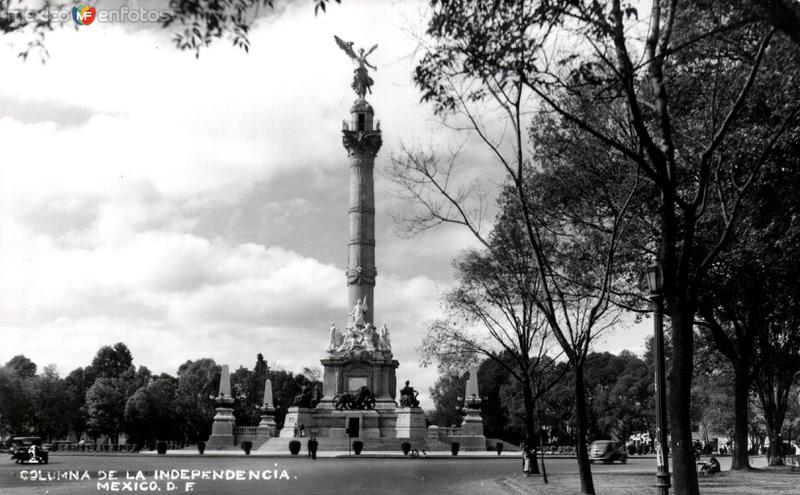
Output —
(222, 429)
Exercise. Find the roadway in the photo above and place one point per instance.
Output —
(282, 476)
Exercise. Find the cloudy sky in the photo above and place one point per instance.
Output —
(198, 207)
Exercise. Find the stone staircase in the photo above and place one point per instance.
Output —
(278, 444)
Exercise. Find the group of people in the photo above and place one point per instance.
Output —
(528, 457)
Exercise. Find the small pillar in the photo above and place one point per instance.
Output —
(267, 426)
(224, 422)
(472, 427)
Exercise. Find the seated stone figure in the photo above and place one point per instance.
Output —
(408, 396)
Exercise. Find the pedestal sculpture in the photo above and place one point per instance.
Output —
(224, 422)
(410, 418)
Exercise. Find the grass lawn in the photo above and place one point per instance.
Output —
(768, 481)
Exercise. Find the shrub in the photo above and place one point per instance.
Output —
(499, 447)
(161, 447)
(201, 447)
(454, 448)
(406, 446)
(631, 449)
(247, 446)
(358, 445)
(294, 447)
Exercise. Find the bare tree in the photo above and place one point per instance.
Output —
(574, 256)
(683, 74)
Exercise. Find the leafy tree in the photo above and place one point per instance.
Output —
(105, 407)
(713, 403)
(621, 391)
(22, 366)
(151, 413)
(792, 425)
(673, 118)
(748, 307)
(493, 382)
(199, 22)
(112, 361)
(50, 397)
(115, 379)
(16, 402)
(552, 254)
(619, 396)
(445, 393)
(197, 381)
(248, 385)
(74, 408)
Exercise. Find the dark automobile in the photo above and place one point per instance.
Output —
(28, 449)
(607, 451)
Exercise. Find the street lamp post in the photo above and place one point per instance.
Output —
(655, 283)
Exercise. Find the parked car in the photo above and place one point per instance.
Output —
(607, 451)
(28, 449)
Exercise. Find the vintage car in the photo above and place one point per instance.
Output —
(607, 451)
(28, 449)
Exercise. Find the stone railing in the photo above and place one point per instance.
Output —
(449, 432)
(88, 447)
(241, 431)
(248, 434)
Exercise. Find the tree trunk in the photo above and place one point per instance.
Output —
(775, 451)
(530, 426)
(774, 415)
(684, 478)
(541, 445)
(741, 460)
(581, 431)
(773, 396)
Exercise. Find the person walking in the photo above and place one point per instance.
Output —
(312, 447)
(526, 459)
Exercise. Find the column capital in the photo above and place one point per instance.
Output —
(362, 142)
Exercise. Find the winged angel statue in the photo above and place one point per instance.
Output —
(361, 80)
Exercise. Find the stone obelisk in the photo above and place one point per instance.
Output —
(267, 426)
(472, 426)
(362, 140)
(224, 422)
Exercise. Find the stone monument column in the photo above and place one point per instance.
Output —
(362, 140)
